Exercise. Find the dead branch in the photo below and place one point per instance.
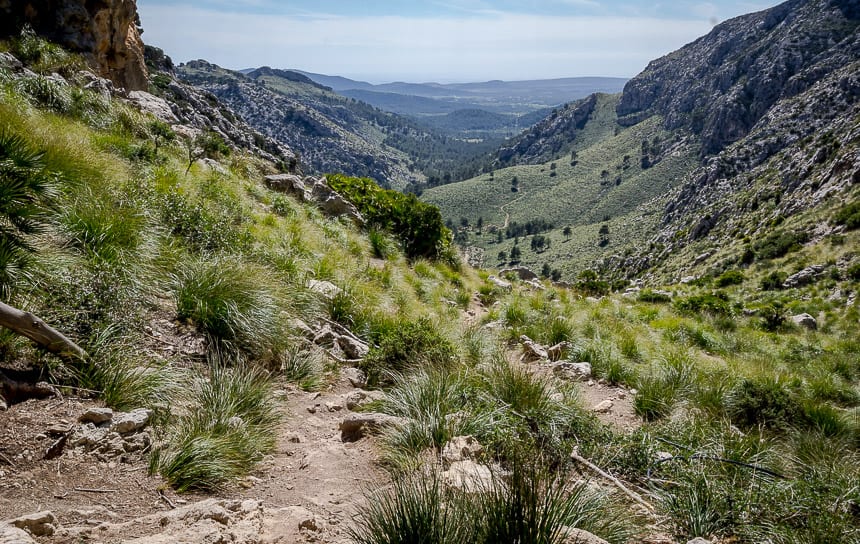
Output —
(594, 468)
(30, 326)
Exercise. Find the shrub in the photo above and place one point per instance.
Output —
(763, 402)
(418, 225)
(773, 281)
(26, 193)
(104, 230)
(416, 508)
(729, 277)
(715, 303)
(779, 243)
(853, 272)
(649, 295)
(407, 345)
(590, 284)
(848, 216)
(773, 317)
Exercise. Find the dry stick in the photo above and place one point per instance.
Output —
(342, 330)
(166, 499)
(632, 494)
(27, 324)
(6, 460)
(90, 490)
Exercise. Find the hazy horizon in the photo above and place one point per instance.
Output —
(451, 41)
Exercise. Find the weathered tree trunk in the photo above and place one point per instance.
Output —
(27, 324)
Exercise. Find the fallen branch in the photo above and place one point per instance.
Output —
(594, 468)
(30, 326)
(6, 460)
(91, 490)
(166, 499)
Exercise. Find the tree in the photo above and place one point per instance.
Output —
(604, 235)
(555, 274)
(546, 270)
(516, 255)
(480, 224)
(502, 256)
(567, 232)
(208, 144)
(161, 132)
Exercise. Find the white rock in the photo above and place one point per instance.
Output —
(325, 288)
(130, 422)
(354, 426)
(570, 535)
(805, 320)
(468, 476)
(38, 524)
(96, 416)
(602, 407)
(572, 371)
(461, 448)
(14, 535)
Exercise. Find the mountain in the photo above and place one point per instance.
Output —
(748, 131)
(333, 133)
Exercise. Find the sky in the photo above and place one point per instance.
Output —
(434, 40)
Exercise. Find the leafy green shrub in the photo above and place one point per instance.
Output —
(228, 301)
(26, 192)
(203, 230)
(773, 281)
(729, 277)
(763, 402)
(407, 345)
(779, 243)
(229, 426)
(649, 295)
(773, 317)
(589, 282)
(418, 225)
(715, 303)
(853, 272)
(848, 216)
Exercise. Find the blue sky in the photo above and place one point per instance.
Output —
(435, 40)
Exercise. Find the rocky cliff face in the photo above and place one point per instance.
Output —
(105, 31)
(724, 83)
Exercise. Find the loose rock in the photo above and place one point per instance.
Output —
(355, 426)
(96, 416)
(461, 448)
(38, 524)
(572, 371)
(468, 476)
(130, 422)
(571, 535)
(805, 320)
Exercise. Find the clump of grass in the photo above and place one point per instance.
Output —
(417, 508)
(121, 377)
(228, 300)
(302, 367)
(381, 244)
(228, 427)
(105, 230)
(764, 401)
(658, 392)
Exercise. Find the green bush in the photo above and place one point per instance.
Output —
(715, 303)
(729, 277)
(405, 346)
(848, 216)
(418, 225)
(589, 283)
(773, 281)
(763, 402)
(649, 295)
(778, 244)
(228, 427)
(853, 272)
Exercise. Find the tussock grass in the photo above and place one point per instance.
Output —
(227, 428)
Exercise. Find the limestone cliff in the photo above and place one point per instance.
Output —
(104, 31)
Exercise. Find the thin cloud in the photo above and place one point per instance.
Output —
(467, 48)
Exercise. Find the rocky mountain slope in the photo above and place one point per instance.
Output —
(768, 102)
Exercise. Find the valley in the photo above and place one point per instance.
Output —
(267, 306)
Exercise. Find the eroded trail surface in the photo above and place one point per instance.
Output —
(307, 490)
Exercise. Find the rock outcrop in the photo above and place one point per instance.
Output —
(107, 33)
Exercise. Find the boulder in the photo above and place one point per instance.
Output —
(805, 276)
(38, 524)
(352, 348)
(290, 184)
(325, 288)
(360, 398)
(699, 540)
(356, 425)
(130, 422)
(96, 416)
(155, 105)
(805, 320)
(468, 476)
(355, 376)
(500, 283)
(461, 448)
(570, 535)
(532, 351)
(572, 371)
(14, 535)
